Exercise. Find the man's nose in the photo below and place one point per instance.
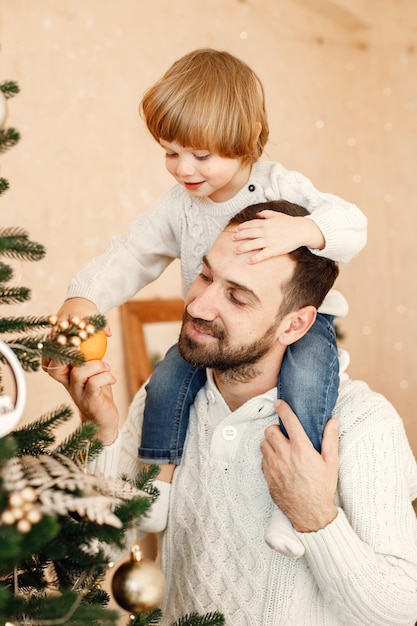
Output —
(204, 305)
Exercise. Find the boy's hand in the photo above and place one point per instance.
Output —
(74, 307)
(81, 308)
(274, 234)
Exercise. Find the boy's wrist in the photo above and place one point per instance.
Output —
(313, 236)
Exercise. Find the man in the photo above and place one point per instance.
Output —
(351, 510)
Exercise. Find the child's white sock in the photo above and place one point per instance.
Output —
(281, 537)
(156, 517)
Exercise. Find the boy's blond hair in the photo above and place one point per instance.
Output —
(209, 99)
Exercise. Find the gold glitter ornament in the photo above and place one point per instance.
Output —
(22, 510)
(138, 585)
(61, 340)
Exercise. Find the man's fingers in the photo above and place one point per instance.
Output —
(58, 371)
(81, 375)
(290, 420)
(330, 443)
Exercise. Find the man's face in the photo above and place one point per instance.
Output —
(230, 318)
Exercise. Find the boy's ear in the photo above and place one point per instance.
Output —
(297, 324)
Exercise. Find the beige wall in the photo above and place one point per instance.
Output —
(340, 79)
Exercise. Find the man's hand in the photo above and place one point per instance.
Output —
(274, 234)
(301, 481)
(90, 387)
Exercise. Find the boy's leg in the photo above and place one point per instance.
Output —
(309, 382)
(156, 519)
(281, 537)
(309, 378)
(169, 394)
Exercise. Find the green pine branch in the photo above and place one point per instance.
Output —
(15, 243)
(82, 443)
(193, 619)
(51, 573)
(152, 618)
(28, 351)
(9, 88)
(23, 324)
(39, 436)
(6, 273)
(14, 295)
(8, 138)
(4, 185)
(61, 354)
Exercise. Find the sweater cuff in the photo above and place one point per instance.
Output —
(107, 461)
(334, 549)
(78, 291)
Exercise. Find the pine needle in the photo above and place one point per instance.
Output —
(9, 88)
(14, 295)
(8, 138)
(4, 185)
(193, 619)
(38, 436)
(23, 324)
(15, 243)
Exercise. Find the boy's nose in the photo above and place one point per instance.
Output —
(185, 166)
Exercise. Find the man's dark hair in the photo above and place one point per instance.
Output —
(313, 275)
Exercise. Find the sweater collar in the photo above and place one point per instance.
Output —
(259, 406)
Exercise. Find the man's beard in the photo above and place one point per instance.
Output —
(234, 363)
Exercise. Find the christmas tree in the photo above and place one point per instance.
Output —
(60, 526)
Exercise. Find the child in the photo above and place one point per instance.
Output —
(208, 114)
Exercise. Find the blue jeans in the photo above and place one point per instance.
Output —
(308, 381)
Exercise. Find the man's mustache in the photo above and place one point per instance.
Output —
(204, 326)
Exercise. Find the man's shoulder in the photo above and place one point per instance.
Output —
(360, 408)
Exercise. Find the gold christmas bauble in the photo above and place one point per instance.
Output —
(138, 585)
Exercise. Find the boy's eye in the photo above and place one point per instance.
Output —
(170, 155)
(202, 157)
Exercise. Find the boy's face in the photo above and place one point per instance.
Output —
(203, 173)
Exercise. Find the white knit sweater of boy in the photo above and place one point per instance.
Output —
(180, 226)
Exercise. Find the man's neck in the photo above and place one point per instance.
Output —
(239, 386)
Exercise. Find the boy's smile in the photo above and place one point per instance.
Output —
(204, 173)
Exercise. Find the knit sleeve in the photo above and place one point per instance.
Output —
(121, 457)
(365, 561)
(342, 223)
(132, 261)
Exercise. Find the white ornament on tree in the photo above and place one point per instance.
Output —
(10, 414)
(3, 109)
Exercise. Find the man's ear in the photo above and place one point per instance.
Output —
(296, 325)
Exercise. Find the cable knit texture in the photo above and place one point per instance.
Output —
(360, 570)
(179, 226)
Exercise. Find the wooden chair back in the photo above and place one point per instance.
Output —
(134, 314)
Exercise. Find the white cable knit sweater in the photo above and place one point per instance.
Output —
(179, 226)
(360, 570)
